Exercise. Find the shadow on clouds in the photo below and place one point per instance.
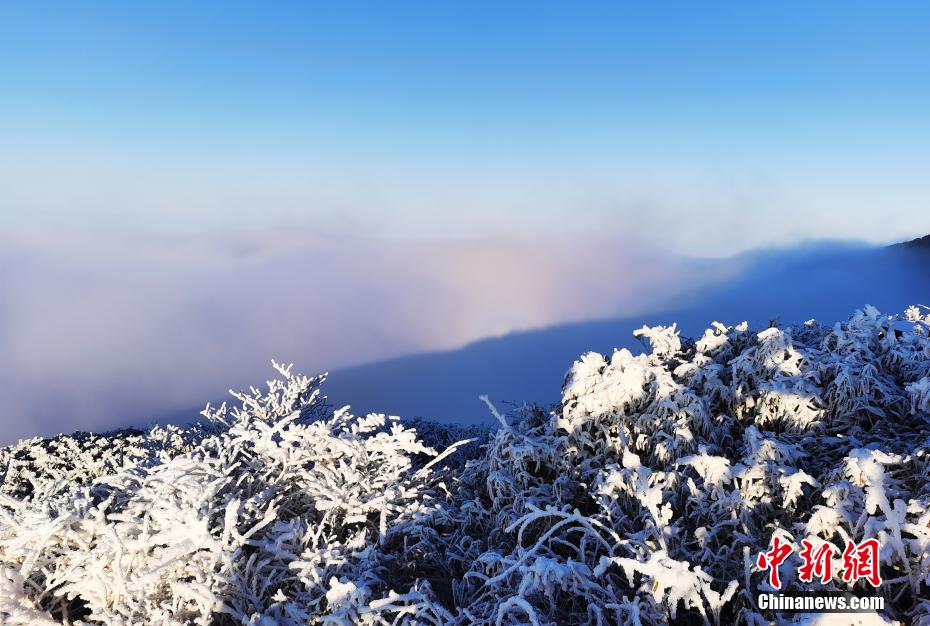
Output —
(823, 281)
(98, 333)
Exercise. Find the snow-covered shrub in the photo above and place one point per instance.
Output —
(653, 486)
(644, 497)
(272, 513)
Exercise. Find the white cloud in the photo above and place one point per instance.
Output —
(97, 331)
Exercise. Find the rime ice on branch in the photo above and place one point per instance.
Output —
(644, 497)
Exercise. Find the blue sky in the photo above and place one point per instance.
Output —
(682, 122)
(188, 190)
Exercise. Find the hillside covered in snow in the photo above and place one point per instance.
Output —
(643, 497)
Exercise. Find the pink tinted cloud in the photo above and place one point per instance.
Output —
(98, 332)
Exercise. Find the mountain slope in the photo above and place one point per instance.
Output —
(821, 281)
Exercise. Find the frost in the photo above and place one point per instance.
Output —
(714, 470)
(643, 497)
(919, 393)
(833, 619)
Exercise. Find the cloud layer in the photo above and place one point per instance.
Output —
(98, 332)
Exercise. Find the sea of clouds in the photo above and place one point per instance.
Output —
(103, 330)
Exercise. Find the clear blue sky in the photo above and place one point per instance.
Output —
(686, 121)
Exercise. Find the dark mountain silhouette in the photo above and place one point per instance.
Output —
(921, 243)
(824, 281)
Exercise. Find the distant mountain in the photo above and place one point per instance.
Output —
(921, 243)
(825, 281)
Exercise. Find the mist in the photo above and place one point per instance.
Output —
(823, 281)
(99, 331)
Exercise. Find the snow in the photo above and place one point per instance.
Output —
(643, 497)
(834, 619)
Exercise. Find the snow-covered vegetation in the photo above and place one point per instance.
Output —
(644, 497)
